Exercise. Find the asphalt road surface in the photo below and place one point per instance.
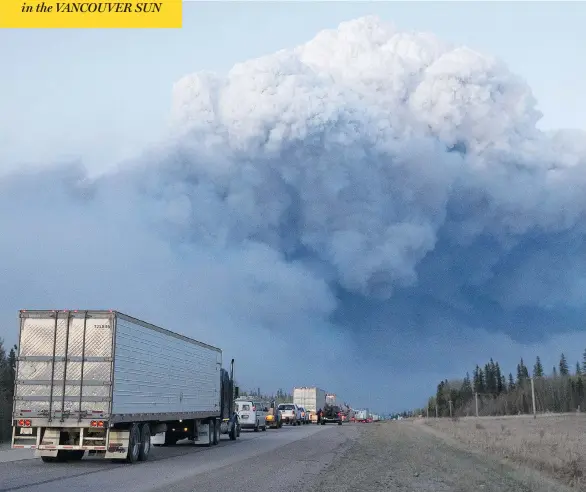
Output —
(277, 456)
(383, 457)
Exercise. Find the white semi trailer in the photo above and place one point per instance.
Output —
(310, 398)
(105, 383)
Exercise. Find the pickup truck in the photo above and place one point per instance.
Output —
(331, 414)
(290, 413)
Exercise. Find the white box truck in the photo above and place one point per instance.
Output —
(310, 398)
(112, 385)
(362, 415)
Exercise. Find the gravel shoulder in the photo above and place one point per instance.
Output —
(405, 456)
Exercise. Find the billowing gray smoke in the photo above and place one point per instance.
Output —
(375, 201)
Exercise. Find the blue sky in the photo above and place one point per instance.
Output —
(498, 254)
(69, 91)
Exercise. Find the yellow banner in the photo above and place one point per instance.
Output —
(99, 14)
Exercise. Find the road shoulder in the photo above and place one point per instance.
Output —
(402, 456)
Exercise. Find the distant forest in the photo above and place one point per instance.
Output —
(7, 372)
(561, 390)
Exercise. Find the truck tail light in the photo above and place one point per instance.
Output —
(24, 423)
(97, 423)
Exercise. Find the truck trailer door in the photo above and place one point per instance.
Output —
(64, 367)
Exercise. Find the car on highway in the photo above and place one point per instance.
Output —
(252, 414)
(274, 419)
(304, 415)
(290, 413)
(331, 414)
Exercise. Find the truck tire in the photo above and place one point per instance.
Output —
(145, 442)
(74, 455)
(340, 422)
(170, 438)
(216, 433)
(257, 425)
(232, 433)
(211, 432)
(133, 444)
(60, 458)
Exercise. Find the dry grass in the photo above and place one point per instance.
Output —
(553, 444)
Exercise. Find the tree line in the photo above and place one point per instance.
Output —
(7, 374)
(495, 393)
(281, 396)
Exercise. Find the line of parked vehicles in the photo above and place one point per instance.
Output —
(258, 415)
(105, 384)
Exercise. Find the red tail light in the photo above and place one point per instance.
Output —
(254, 409)
(97, 423)
(24, 423)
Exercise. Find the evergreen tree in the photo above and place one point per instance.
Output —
(522, 373)
(504, 383)
(584, 362)
(538, 368)
(488, 378)
(479, 385)
(511, 382)
(466, 390)
(578, 369)
(564, 370)
(500, 383)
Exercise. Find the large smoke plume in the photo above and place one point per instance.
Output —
(374, 200)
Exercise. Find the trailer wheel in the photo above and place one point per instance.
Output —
(232, 433)
(63, 456)
(211, 432)
(74, 455)
(133, 444)
(145, 442)
(216, 433)
(170, 438)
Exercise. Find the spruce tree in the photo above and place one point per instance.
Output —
(466, 390)
(479, 386)
(564, 370)
(584, 362)
(538, 368)
(511, 382)
(504, 383)
(522, 373)
(500, 387)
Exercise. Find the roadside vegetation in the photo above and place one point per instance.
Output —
(552, 444)
(559, 391)
(7, 371)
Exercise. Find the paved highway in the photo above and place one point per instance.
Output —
(290, 456)
(395, 456)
